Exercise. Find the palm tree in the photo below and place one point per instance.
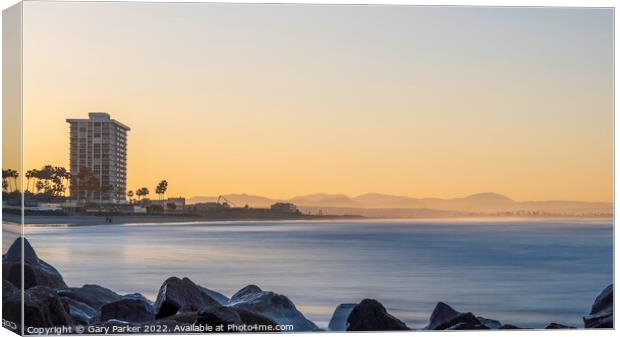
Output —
(5, 180)
(142, 192)
(161, 189)
(130, 196)
(85, 181)
(61, 175)
(9, 175)
(28, 177)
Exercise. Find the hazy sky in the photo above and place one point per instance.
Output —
(282, 100)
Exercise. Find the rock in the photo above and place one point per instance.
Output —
(444, 317)
(370, 315)
(220, 298)
(338, 322)
(440, 314)
(92, 295)
(14, 253)
(250, 318)
(271, 305)
(11, 304)
(42, 308)
(181, 295)
(602, 313)
(558, 326)
(467, 317)
(490, 323)
(247, 290)
(228, 316)
(186, 317)
(509, 327)
(219, 316)
(127, 310)
(80, 313)
(36, 271)
(468, 326)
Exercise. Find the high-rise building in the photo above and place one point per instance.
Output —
(99, 150)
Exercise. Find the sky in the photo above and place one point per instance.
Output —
(286, 100)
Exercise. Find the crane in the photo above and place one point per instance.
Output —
(227, 203)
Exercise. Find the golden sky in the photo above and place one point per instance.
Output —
(284, 100)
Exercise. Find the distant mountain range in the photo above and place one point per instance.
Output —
(376, 204)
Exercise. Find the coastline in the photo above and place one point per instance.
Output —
(97, 220)
(92, 220)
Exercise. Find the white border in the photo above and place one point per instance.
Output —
(501, 3)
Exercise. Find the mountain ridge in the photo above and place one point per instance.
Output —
(485, 202)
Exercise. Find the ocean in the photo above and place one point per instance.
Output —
(526, 272)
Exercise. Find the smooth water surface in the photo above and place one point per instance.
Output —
(523, 272)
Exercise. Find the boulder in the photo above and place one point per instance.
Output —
(470, 319)
(14, 253)
(509, 327)
(444, 317)
(558, 326)
(338, 322)
(36, 271)
(219, 316)
(127, 310)
(440, 314)
(227, 316)
(251, 318)
(490, 323)
(181, 295)
(11, 304)
(220, 298)
(80, 313)
(468, 326)
(602, 313)
(92, 295)
(370, 315)
(42, 308)
(271, 305)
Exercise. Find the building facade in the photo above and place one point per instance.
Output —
(98, 159)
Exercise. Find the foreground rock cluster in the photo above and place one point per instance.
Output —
(182, 304)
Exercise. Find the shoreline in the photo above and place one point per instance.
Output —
(97, 220)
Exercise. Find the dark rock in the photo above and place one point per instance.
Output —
(271, 305)
(468, 326)
(370, 315)
(467, 317)
(444, 317)
(80, 313)
(181, 295)
(92, 295)
(440, 314)
(228, 316)
(127, 310)
(42, 308)
(14, 253)
(509, 327)
(36, 271)
(602, 313)
(490, 323)
(219, 316)
(11, 305)
(558, 326)
(247, 290)
(250, 318)
(220, 298)
(338, 322)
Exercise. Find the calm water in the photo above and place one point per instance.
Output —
(523, 272)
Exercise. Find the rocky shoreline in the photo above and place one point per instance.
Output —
(183, 306)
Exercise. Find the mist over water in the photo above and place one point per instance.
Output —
(524, 272)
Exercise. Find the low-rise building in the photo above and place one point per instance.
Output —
(284, 207)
